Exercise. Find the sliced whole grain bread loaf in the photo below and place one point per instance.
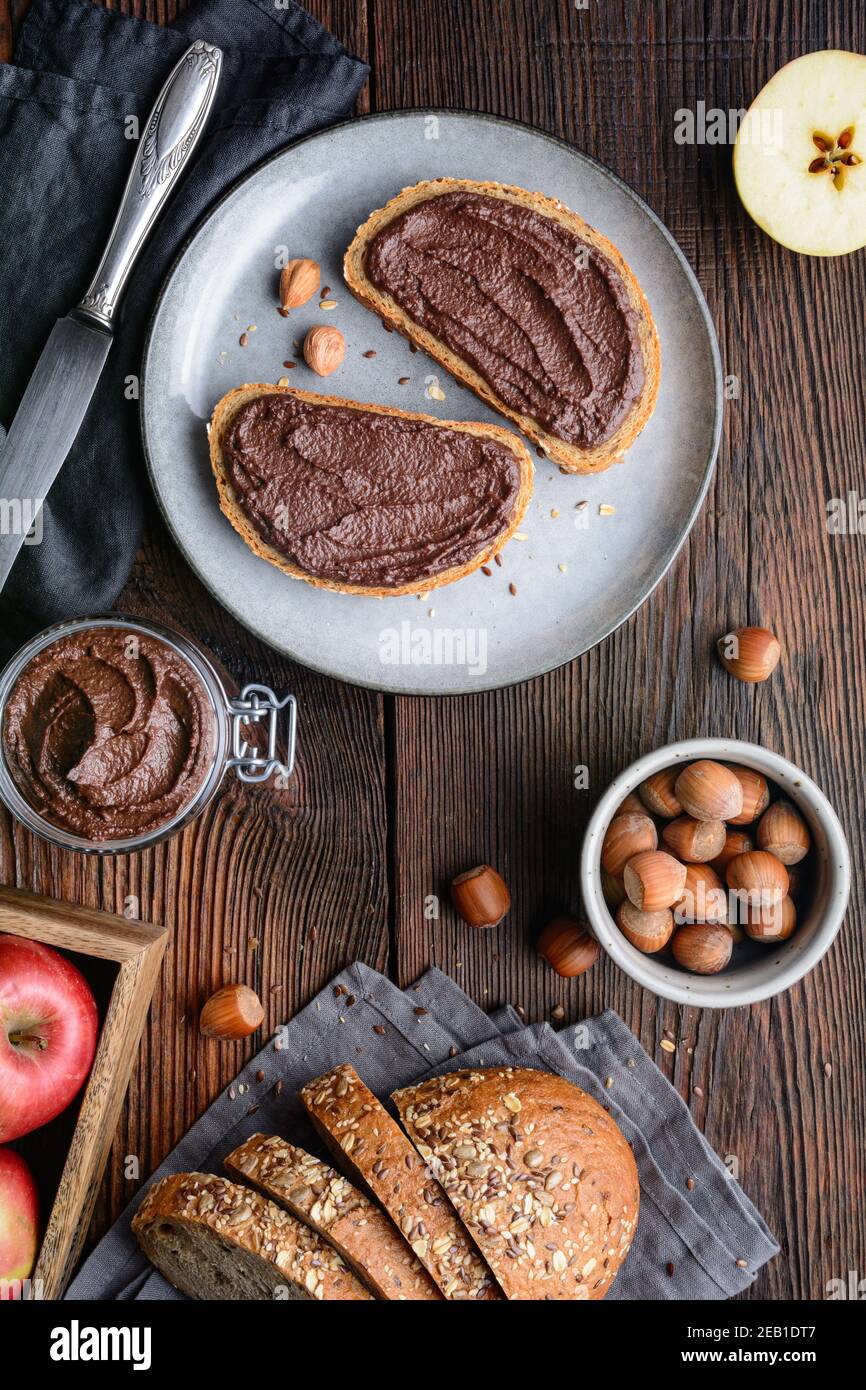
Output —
(215, 1240)
(367, 1141)
(542, 1177)
(317, 1194)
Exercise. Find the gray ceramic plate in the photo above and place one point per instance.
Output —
(578, 574)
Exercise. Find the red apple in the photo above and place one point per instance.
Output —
(48, 1026)
(19, 1220)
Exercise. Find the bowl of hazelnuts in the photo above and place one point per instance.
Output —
(715, 872)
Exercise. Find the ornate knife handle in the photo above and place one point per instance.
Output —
(164, 151)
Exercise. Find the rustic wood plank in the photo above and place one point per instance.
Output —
(491, 777)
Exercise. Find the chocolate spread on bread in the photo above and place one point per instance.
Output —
(363, 498)
(542, 316)
(108, 733)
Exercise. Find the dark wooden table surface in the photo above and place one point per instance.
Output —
(393, 796)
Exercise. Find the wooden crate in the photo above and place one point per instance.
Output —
(137, 949)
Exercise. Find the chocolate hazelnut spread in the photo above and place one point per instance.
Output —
(541, 315)
(108, 733)
(367, 499)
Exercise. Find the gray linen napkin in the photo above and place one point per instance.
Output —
(700, 1233)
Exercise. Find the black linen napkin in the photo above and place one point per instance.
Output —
(80, 73)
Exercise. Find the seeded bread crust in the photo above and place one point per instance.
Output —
(539, 1173)
(315, 1193)
(569, 456)
(366, 1140)
(256, 1248)
(225, 411)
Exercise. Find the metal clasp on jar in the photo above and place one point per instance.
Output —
(258, 702)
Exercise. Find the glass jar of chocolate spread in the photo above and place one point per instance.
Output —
(115, 733)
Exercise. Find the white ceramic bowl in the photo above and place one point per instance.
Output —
(757, 971)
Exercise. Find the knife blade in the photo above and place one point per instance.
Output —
(59, 393)
(45, 426)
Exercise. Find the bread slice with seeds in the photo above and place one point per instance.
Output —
(372, 1146)
(477, 523)
(506, 320)
(363, 1235)
(212, 1239)
(541, 1176)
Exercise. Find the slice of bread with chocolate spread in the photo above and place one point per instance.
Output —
(365, 499)
(522, 301)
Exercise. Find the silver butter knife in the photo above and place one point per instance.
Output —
(59, 392)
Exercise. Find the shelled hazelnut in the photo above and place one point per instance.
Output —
(736, 842)
(750, 654)
(612, 888)
(626, 836)
(654, 880)
(568, 946)
(232, 1012)
(703, 898)
(796, 879)
(480, 896)
(694, 841)
(710, 791)
(703, 949)
(756, 794)
(658, 795)
(771, 924)
(783, 831)
(324, 349)
(758, 872)
(647, 931)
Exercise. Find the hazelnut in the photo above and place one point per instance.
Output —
(736, 842)
(695, 841)
(612, 888)
(626, 836)
(783, 831)
(703, 949)
(324, 349)
(654, 880)
(736, 932)
(796, 878)
(749, 653)
(480, 896)
(703, 898)
(775, 923)
(710, 791)
(233, 1012)
(647, 931)
(631, 806)
(568, 946)
(757, 879)
(299, 280)
(657, 793)
(756, 794)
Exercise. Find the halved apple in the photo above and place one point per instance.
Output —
(800, 154)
